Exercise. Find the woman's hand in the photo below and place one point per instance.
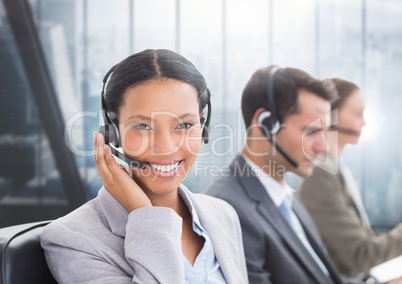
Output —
(115, 179)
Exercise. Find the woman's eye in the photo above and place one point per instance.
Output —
(185, 125)
(141, 127)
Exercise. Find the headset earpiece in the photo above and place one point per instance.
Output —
(104, 130)
(206, 134)
(269, 122)
(111, 134)
(206, 131)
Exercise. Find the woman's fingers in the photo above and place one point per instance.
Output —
(122, 187)
(115, 178)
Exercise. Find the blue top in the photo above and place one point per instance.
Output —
(206, 268)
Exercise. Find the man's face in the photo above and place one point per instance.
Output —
(304, 134)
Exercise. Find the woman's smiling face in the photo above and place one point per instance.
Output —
(160, 125)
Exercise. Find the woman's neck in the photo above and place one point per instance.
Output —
(336, 147)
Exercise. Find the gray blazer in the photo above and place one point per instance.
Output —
(100, 243)
(274, 254)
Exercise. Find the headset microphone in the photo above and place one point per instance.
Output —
(277, 147)
(268, 120)
(345, 130)
(131, 162)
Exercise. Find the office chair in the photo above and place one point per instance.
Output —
(22, 259)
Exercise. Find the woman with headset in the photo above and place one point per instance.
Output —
(145, 226)
(332, 196)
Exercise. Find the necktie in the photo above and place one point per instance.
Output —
(291, 218)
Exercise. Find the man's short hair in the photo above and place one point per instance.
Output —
(287, 83)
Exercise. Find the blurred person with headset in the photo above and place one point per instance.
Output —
(283, 110)
(332, 196)
(145, 226)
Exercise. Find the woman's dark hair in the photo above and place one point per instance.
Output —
(287, 83)
(344, 89)
(148, 65)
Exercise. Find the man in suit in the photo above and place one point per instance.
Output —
(283, 110)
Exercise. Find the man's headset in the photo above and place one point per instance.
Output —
(268, 120)
(110, 129)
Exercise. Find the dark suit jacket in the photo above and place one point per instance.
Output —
(274, 254)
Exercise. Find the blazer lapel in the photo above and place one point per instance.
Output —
(223, 243)
(267, 208)
(112, 212)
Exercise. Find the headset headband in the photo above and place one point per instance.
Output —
(270, 91)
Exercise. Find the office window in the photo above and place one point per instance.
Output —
(30, 185)
(381, 163)
(340, 54)
(201, 41)
(293, 28)
(340, 40)
(105, 42)
(247, 48)
(248, 44)
(56, 23)
(154, 24)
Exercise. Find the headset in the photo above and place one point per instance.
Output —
(110, 128)
(268, 120)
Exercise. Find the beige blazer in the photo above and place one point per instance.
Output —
(353, 248)
(100, 243)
